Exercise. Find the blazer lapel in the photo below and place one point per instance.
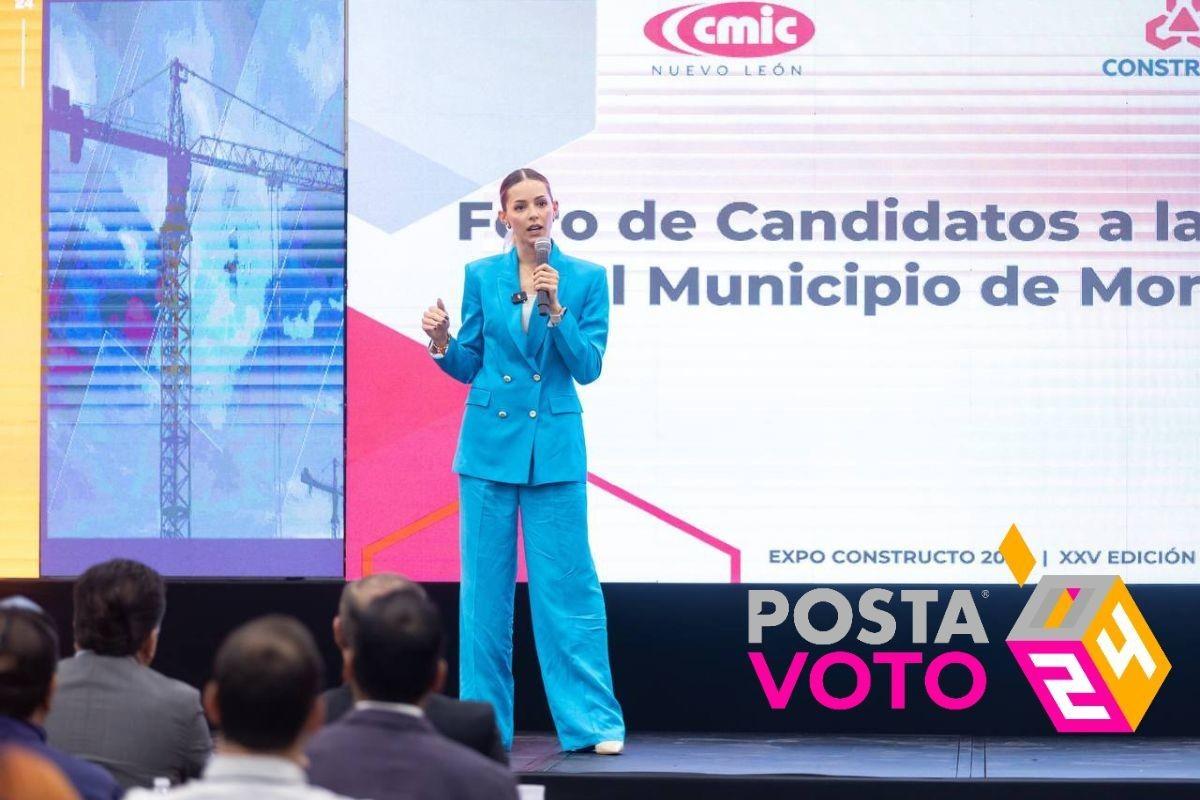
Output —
(537, 333)
(508, 283)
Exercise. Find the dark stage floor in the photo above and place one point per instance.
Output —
(666, 765)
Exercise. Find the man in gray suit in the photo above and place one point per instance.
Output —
(111, 708)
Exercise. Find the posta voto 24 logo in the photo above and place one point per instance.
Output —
(1085, 648)
(1081, 642)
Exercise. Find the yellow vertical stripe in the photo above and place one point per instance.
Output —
(20, 284)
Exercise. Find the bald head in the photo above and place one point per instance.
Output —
(359, 594)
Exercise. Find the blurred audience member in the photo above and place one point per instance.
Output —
(111, 708)
(264, 698)
(385, 749)
(469, 723)
(28, 655)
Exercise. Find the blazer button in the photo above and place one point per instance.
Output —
(532, 414)
(536, 378)
(508, 378)
(503, 415)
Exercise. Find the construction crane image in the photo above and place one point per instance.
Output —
(174, 297)
(334, 491)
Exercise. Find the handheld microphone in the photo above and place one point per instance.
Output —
(541, 249)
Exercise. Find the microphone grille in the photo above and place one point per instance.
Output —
(542, 246)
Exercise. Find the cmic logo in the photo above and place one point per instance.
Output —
(1088, 654)
(1180, 21)
(736, 30)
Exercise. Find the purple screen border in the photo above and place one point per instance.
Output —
(201, 558)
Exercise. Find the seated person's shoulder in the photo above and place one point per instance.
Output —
(92, 780)
(456, 762)
(441, 706)
(178, 700)
(459, 760)
(171, 688)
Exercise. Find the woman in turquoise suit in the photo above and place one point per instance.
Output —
(521, 449)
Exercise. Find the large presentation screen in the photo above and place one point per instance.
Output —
(194, 286)
(886, 278)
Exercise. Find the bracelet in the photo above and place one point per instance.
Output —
(555, 319)
(439, 349)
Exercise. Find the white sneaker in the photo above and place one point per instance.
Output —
(613, 747)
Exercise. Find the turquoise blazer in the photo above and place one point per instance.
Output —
(522, 420)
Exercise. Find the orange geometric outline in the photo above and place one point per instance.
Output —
(374, 548)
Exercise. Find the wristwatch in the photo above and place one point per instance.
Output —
(555, 319)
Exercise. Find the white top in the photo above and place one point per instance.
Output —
(526, 313)
(395, 708)
(240, 777)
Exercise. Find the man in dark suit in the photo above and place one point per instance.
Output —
(385, 749)
(468, 723)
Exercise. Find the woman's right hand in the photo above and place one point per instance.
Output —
(436, 323)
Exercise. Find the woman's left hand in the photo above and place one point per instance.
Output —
(546, 277)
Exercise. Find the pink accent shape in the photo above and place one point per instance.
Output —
(1161, 42)
(1100, 694)
(391, 427)
(1184, 22)
(735, 555)
(401, 431)
(653, 30)
(778, 696)
(1073, 591)
(402, 426)
(138, 324)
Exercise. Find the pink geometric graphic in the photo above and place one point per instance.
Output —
(1072, 691)
(735, 555)
(1178, 23)
(402, 422)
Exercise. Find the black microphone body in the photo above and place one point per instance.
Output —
(541, 249)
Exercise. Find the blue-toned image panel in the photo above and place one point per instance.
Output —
(194, 358)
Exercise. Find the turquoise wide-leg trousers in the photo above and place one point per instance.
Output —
(569, 622)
